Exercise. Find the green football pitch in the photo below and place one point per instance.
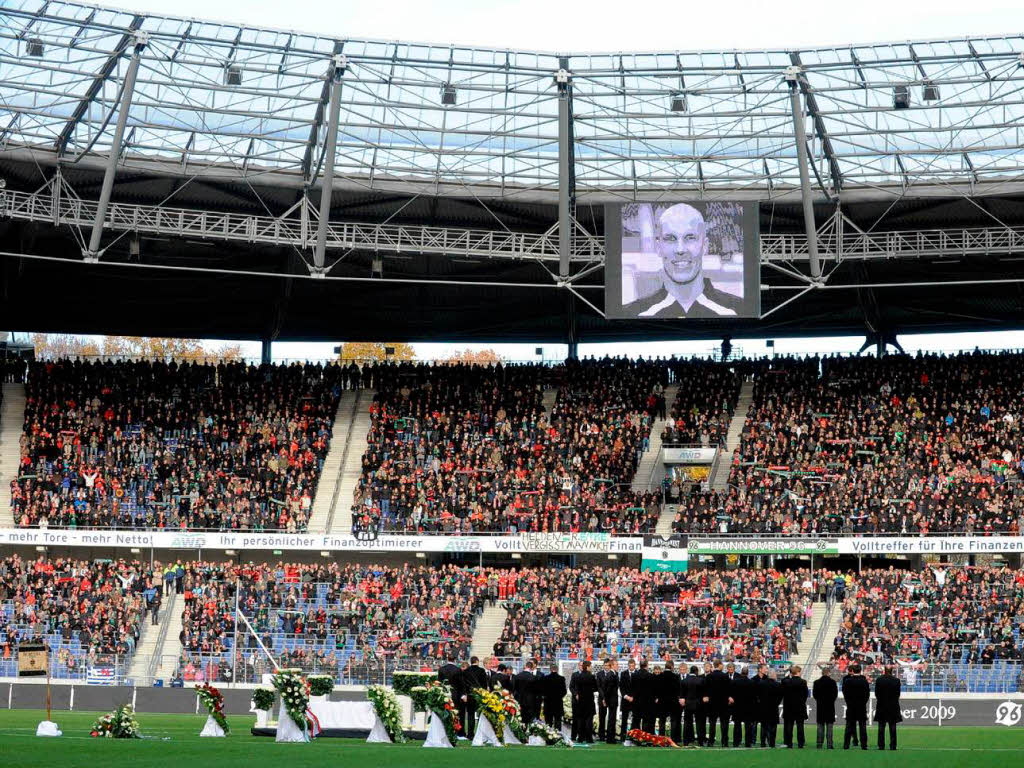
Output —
(173, 740)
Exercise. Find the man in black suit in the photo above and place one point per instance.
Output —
(583, 687)
(856, 693)
(472, 677)
(825, 692)
(643, 698)
(794, 707)
(448, 672)
(608, 701)
(691, 694)
(744, 723)
(626, 703)
(670, 711)
(887, 706)
(525, 690)
(718, 700)
(769, 696)
(553, 687)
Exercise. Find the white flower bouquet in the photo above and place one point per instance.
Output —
(386, 706)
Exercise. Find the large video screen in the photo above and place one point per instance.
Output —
(675, 260)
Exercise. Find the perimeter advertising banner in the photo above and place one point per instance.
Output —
(931, 545)
(682, 260)
(688, 455)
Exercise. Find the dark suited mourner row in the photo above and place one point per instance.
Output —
(717, 705)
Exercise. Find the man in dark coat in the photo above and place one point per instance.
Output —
(524, 688)
(553, 687)
(718, 701)
(448, 672)
(887, 707)
(856, 693)
(825, 692)
(744, 722)
(474, 676)
(643, 698)
(794, 707)
(607, 701)
(626, 702)
(670, 713)
(769, 696)
(691, 693)
(583, 686)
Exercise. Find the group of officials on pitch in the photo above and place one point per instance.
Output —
(694, 709)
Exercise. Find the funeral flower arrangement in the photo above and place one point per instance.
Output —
(262, 698)
(119, 724)
(551, 737)
(513, 716)
(644, 739)
(386, 706)
(491, 706)
(213, 700)
(320, 685)
(294, 692)
(436, 697)
(404, 682)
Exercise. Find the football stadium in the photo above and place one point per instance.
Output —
(607, 547)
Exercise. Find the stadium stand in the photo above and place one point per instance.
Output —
(89, 613)
(354, 621)
(952, 622)
(899, 444)
(158, 445)
(587, 613)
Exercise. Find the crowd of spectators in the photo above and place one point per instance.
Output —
(939, 615)
(169, 445)
(471, 448)
(328, 617)
(587, 613)
(900, 444)
(85, 609)
(704, 403)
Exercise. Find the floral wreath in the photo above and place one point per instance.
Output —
(645, 739)
(294, 690)
(436, 697)
(320, 685)
(119, 724)
(491, 706)
(513, 715)
(551, 737)
(385, 704)
(213, 700)
(404, 681)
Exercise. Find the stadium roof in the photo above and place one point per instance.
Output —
(234, 102)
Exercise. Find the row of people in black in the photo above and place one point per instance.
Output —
(697, 708)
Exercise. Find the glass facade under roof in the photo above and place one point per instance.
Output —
(247, 103)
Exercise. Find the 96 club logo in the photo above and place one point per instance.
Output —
(1008, 713)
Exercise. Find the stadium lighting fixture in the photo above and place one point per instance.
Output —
(233, 76)
(930, 92)
(516, 556)
(613, 557)
(900, 97)
(40, 549)
(35, 48)
(678, 103)
(136, 550)
(448, 94)
(421, 555)
(324, 553)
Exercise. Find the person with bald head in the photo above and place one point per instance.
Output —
(682, 243)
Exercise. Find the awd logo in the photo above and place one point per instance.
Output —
(188, 541)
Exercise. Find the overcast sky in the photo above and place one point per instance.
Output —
(598, 25)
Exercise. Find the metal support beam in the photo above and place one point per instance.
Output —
(266, 355)
(308, 157)
(330, 149)
(819, 127)
(792, 76)
(566, 191)
(93, 251)
(97, 84)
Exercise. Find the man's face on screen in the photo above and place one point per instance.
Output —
(682, 243)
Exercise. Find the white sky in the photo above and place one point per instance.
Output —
(599, 25)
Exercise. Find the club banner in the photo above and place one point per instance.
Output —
(931, 545)
(688, 455)
(722, 546)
